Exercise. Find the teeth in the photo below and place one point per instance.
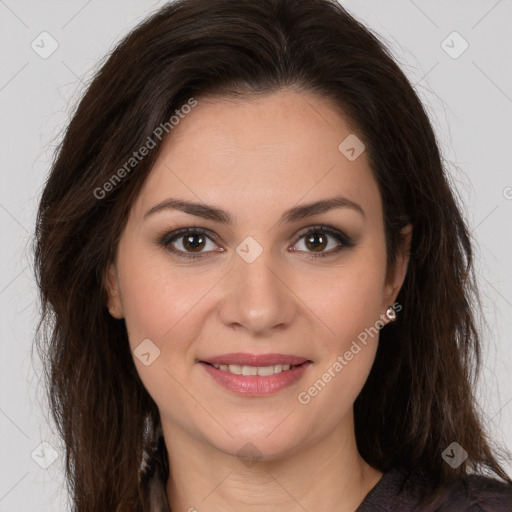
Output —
(234, 368)
(249, 370)
(264, 371)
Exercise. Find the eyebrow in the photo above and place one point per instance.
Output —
(292, 215)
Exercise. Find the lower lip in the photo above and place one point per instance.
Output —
(256, 385)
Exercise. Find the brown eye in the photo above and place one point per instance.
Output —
(194, 242)
(189, 243)
(316, 241)
(323, 241)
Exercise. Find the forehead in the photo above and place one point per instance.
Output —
(258, 155)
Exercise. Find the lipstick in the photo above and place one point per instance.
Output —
(255, 374)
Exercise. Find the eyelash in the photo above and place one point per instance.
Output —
(345, 242)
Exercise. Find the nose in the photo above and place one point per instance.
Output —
(257, 297)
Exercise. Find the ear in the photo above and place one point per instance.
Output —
(396, 276)
(114, 304)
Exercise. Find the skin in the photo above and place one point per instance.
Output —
(255, 158)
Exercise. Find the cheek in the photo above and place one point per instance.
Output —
(157, 299)
(167, 306)
(346, 356)
(347, 301)
(347, 298)
(358, 305)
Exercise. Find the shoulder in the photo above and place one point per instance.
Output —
(402, 490)
(478, 493)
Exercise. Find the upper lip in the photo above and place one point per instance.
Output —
(245, 359)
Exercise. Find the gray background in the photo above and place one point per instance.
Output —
(469, 99)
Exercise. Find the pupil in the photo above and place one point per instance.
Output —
(317, 244)
(189, 244)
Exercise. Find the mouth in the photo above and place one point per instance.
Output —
(255, 375)
(247, 370)
(258, 360)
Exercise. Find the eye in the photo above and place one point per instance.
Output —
(321, 241)
(189, 242)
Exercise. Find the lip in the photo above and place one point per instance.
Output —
(246, 359)
(256, 385)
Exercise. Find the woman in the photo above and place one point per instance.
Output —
(257, 283)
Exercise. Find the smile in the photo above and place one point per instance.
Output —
(263, 371)
(249, 380)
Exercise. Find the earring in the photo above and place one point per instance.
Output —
(391, 314)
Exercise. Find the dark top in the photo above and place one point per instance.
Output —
(397, 491)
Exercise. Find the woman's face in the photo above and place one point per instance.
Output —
(256, 285)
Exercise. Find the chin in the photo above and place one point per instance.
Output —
(258, 443)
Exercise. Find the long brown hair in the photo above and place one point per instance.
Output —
(419, 396)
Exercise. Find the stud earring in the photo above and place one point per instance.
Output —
(391, 314)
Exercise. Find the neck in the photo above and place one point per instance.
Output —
(327, 474)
